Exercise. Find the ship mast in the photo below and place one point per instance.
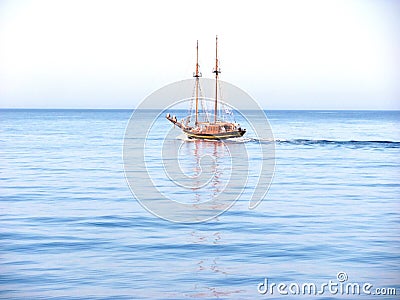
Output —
(197, 75)
(216, 71)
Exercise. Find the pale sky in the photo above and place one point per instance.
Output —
(286, 54)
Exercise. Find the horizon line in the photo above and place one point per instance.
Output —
(183, 109)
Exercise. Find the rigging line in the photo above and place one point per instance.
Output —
(222, 106)
(190, 108)
(203, 103)
(227, 109)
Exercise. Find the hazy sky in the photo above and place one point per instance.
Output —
(286, 54)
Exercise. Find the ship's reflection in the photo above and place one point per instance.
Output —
(219, 163)
(210, 266)
(206, 165)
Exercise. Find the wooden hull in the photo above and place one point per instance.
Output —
(206, 136)
(216, 136)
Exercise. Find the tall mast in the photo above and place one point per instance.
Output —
(197, 75)
(216, 71)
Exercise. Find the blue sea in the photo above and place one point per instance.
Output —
(70, 227)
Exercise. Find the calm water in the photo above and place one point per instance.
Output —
(70, 227)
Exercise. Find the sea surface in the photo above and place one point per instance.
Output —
(70, 227)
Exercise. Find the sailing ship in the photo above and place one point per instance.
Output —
(217, 129)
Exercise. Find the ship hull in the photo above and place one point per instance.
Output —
(216, 136)
(206, 136)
